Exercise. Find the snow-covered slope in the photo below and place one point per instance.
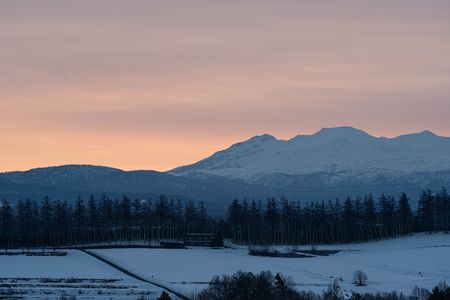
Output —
(342, 152)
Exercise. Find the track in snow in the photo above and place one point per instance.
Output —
(131, 274)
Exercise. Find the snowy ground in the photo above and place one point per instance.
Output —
(400, 264)
(397, 264)
(75, 274)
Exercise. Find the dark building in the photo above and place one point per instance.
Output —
(198, 239)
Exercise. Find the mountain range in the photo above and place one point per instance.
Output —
(334, 162)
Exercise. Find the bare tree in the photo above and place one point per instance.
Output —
(359, 278)
(333, 291)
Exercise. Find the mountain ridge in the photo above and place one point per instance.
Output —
(340, 148)
(330, 161)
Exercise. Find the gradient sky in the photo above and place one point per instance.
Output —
(158, 84)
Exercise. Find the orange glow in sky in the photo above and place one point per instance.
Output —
(158, 84)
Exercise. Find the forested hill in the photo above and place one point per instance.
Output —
(70, 181)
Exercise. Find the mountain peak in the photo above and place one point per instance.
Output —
(263, 138)
(341, 131)
(423, 136)
(427, 133)
(329, 133)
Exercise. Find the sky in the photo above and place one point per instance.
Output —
(159, 84)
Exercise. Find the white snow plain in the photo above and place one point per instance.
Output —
(395, 264)
(75, 274)
(75, 264)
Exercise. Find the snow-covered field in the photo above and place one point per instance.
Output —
(75, 274)
(397, 264)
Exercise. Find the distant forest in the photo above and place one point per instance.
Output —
(53, 223)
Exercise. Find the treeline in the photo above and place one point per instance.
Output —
(60, 223)
(51, 223)
(352, 220)
(266, 286)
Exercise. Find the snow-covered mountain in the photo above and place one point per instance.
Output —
(334, 162)
(333, 155)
